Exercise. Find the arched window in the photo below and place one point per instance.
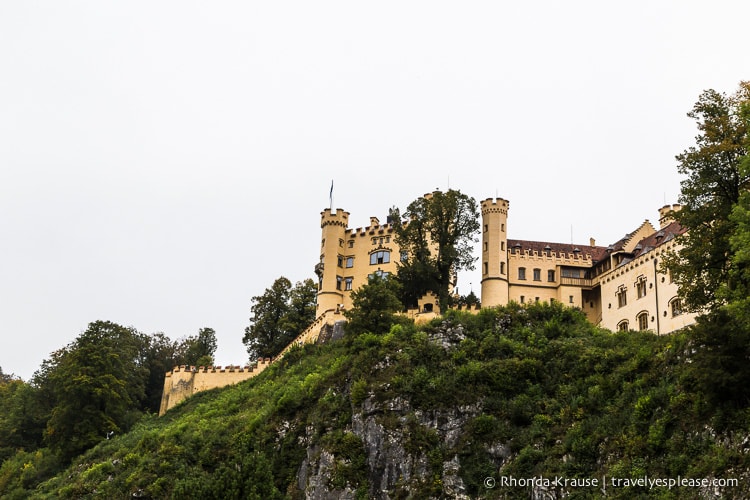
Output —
(622, 326)
(675, 305)
(642, 320)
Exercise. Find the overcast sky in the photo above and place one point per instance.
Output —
(161, 163)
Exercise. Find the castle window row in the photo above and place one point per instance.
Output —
(537, 273)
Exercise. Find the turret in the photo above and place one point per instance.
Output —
(494, 252)
(666, 214)
(330, 286)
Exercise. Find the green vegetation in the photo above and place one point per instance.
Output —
(534, 391)
(279, 316)
(438, 242)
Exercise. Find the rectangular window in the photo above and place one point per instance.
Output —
(537, 275)
(339, 279)
(551, 275)
(570, 299)
(351, 243)
(484, 268)
(348, 283)
(523, 299)
(340, 261)
(622, 297)
(521, 273)
(502, 268)
(350, 262)
(381, 257)
(640, 287)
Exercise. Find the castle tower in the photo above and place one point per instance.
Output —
(333, 225)
(494, 252)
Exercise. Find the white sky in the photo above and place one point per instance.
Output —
(161, 163)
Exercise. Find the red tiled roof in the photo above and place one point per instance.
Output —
(596, 252)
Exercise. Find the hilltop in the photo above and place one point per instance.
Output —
(457, 408)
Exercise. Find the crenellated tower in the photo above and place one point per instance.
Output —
(494, 252)
(334, 225)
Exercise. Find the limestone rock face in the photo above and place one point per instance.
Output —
(395, 465)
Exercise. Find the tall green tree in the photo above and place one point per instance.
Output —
(279, 315)
(96, 385)
(709, 194)
(438, 240)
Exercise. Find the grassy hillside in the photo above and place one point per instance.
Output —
(454, 409)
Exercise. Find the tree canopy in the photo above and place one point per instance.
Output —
(279, 315)
(437, 241)
(706, 268)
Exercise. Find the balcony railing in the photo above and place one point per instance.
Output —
(582, 282)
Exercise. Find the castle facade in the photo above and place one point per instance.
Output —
(619, 287)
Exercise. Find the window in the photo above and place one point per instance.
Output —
(570, 273)
(570, 299)
(381, 257)
(340, 261)
(676, 306)
(351, 243)
(643, 321)
(502, 246)
(502, 227)
(523, 299)
(622, 296)
(485, 268)
(536, 299)
(486, 246)
(404, 256)
(537, 275)
(486, 227)
(521, 273)
(379, 273)
(640, 287)
(341, 242)
(350, 262)
(348, 283)
(339, 279)
(550, 275)
(502, 268)
(622, 326)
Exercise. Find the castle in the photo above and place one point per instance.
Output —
(619, 287)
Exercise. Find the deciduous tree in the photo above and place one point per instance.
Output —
(703, 268)
(438, 239)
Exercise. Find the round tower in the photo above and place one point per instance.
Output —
(330, 286)
(494, 252)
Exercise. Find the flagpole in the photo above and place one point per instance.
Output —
(330, 196)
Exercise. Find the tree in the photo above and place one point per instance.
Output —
(279, 316)
(438, 242)
(198, 350)
(374, 306)
(703, 268)
(96, 385)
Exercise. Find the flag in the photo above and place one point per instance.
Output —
(330, 195)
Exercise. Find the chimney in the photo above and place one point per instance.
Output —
(592, 242)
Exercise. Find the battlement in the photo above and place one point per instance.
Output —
(338, 217)
(184, 380)
(492, 205)
(217, 369)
